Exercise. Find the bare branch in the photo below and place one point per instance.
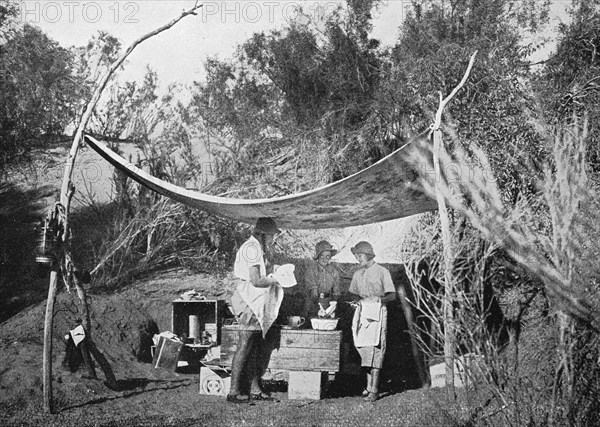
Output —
(438, 115)
(98, 91)
(66, 194)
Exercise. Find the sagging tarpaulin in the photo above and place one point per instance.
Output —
(386, 190)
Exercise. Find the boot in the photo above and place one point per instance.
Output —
(368, 387)
(374, 386)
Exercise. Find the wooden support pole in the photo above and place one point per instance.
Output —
(66, 193)
(111, 381)
(87, 359)
(47, 358)
(413, 331)
(449, 325)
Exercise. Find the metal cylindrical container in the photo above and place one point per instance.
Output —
(194, 327)
(46, 245)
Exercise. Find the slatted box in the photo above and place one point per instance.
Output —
(291, 349)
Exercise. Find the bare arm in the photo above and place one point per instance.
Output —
(260, 282)
(354, 297)
(388, 297)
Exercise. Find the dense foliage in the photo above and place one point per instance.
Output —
(495, 110)
(569, 83)
(312, 102)
(329, 88)
(291, 104)
(39, 95)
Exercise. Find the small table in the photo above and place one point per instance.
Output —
(308, 354)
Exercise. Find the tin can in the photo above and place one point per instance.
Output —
(46, 244)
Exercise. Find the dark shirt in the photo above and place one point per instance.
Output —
(321, 279)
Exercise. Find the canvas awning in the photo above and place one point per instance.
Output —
(386, 190)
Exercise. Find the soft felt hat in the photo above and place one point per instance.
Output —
(323, 246)
(266, 226)
(363, 248)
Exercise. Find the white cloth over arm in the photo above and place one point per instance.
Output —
(370, 283)
(264, 302)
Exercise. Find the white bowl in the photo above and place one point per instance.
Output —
(323, 324)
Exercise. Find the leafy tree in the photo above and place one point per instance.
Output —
(293, 99)
(239, 115)
(91, 62)
(569, 84)
(96, 57)
(9, 20)
(39, 94)
(494, 109)
(326, 75)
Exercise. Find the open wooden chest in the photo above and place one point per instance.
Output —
(201, 319)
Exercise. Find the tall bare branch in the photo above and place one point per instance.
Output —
(65, 202)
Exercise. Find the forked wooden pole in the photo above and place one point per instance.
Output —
(65, 200)
(449, 327)
(47, 358)
(449, 323)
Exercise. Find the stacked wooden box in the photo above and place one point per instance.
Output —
(308, 354)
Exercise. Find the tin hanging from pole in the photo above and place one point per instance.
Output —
(46, 243)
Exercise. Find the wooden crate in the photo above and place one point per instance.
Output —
(208, 311)
(291, 349)
(306, 385)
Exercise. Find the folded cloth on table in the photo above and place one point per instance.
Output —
(366, 330)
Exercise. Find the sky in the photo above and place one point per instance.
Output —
(177, 55)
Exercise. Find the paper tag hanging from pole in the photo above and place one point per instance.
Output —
(78, 334)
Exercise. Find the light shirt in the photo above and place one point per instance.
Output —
(373, 281)
(264, 302)
(249, 255)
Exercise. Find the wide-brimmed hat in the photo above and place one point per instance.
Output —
(323, 246)
(363, 248)
(266, 226)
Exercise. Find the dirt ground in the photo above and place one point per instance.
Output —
(156, 397)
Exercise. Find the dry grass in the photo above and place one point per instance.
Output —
(551, 241)
(136, 236)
